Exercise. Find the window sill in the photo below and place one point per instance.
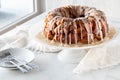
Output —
(24, 25)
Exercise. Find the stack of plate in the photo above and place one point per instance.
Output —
(18, 53)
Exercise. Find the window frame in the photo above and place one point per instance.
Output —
(0, 3)
(39, 7)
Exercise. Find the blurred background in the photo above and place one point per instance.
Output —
(110, 7)
(16, 12)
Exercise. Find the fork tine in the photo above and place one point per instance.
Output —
(21, 62)
(24, 64)
(19, 67)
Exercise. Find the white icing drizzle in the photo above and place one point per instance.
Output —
(87, 11)
(91, 11)
(66, 35)
(61, 37)
(58, 13)
(87, 29)
(81, 31)
(70, 38)
(101, 33)
(91, 33)
(80, 26)
(59, 29)
(99, 26)
(105, 26)
(75, 26)
(53, 21)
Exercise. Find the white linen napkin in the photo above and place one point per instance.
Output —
(18, 40)
(22, 39)
(100, 57)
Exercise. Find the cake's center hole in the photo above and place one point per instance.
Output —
(82, 15)
(78, 16)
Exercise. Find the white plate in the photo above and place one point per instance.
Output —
(18, 53)
(36, 28)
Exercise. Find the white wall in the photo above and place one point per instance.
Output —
(110, 7)
(113, 8)
(21, 5)
(56, 3)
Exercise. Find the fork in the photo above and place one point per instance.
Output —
(20, 67)
(25, 63)
(10, 59)
(19, 63)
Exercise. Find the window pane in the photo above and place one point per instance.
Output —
(12, 10)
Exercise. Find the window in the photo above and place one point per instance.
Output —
(15, 12)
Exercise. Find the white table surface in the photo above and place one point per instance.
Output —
(50, 68)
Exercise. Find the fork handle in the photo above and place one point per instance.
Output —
(24, 63)
(20, 68)
(27, 67)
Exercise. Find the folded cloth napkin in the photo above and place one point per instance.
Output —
(23, 39)
(18, 40)
(100, 57)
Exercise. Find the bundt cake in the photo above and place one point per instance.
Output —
(74, 24)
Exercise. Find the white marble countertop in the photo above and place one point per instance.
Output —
(50, 68)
